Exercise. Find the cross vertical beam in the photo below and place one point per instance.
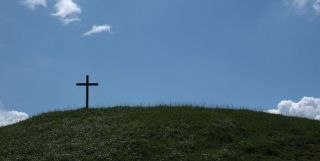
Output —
(87, 92)
(87, 84)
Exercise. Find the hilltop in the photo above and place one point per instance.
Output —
(161, 133)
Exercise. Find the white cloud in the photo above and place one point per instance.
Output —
(11, 117)
(32, 4)
(307, 107)
(98, 29)
(67, 11)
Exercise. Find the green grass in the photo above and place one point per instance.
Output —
(159, 134)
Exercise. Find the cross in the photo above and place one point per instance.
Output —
(87, 84)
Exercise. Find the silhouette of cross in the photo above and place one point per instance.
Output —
(87, 84)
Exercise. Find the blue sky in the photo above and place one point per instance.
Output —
(251, 53)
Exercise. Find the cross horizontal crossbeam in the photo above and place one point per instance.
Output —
(87, 84)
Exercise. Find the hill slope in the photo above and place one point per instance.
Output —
(161, 133)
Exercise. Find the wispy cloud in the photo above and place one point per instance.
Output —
(316, 6)
(307, 107)
(300, 3)
(67, 11)
(11, 117)
(98, 29)
(32, 4)
(305, 5)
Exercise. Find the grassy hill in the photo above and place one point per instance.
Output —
(160, 134)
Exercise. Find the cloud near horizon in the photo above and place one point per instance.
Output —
(11, 117)
(98, 29)
(307, 107)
